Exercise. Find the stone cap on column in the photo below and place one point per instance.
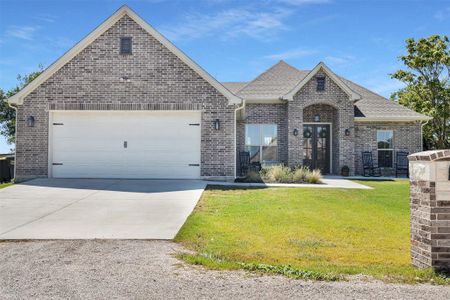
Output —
(431, 155)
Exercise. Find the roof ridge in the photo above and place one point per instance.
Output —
(254, 79)
(280, 62)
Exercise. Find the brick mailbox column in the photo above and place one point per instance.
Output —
(430, 209)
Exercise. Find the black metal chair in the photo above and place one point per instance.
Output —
(369, 169)
(401, 163)
(244, 162)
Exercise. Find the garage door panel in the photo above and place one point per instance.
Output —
(159, 144)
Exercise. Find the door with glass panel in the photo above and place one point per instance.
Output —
(261, 143)
(316, 147)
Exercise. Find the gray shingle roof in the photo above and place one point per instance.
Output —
(282, 77)
(233, 86)
(273, 83)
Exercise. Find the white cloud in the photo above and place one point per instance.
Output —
(295, 53)
(303, 2)
(443, 14)
(231, 23)
(22, 32)
(339, 60)
(46, 18)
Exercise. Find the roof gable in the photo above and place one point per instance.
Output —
(322, 67)
(124, 10)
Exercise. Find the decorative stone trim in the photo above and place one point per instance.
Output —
(124, 106)
(430, 155)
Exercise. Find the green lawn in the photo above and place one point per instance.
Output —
(3, 185)
(306, 232)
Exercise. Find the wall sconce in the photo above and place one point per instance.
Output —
(30, 121)
(347, 132)
(125, 79)
(317, 118)
(295, 133)
(216, 124)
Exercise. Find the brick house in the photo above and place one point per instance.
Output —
(126, 103)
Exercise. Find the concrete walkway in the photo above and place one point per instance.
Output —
(338, 183)
(95, 208)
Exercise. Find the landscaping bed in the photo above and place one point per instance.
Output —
(282, 174)
(324, 234)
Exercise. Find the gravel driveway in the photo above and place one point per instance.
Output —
(119, 269)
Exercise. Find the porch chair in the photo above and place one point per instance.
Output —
(244, 162)
(369, 169)
(401, 163)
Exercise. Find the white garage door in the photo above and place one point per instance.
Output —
(125, 144)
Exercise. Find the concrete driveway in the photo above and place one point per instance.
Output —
(97, 208)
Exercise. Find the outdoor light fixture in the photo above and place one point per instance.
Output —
(30, 121)
(295, 133)
(347, 132)
(216, 124)
(317, 118)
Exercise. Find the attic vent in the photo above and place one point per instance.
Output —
(320, 84)
(125, 45)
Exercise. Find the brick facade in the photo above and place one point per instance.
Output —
(407, 137)
(333, 106)
(332, 96)
(159, 80)
(156, 77)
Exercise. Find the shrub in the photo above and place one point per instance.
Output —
(277, 174)
(283, 174)
(313, 176)
(300, 174)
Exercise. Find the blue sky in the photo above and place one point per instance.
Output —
(235, 40)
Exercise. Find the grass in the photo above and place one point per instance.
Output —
(325, 234)
(3, 185)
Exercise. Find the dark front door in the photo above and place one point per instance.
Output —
(316, 147)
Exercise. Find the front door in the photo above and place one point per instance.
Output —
(316, 147)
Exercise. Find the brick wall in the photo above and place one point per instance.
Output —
(407, 137)
(335, 97)
(156, 76)
(266, 114)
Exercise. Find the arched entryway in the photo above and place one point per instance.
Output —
(320, 138)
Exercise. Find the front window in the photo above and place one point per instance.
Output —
(261, 142)
(385, 142)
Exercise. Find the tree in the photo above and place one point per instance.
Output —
(427, 90)
(7, 113)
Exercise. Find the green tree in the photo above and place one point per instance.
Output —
(427, 91)
(7, 113)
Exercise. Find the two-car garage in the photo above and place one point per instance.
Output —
(125, 144)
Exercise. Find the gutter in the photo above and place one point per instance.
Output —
(235, 137)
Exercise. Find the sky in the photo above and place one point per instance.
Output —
(235, 40)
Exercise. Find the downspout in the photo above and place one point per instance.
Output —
(15, 141)
(421, 134)
(235, 136)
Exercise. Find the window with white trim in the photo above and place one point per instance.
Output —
(385, 145)
(261, 142)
